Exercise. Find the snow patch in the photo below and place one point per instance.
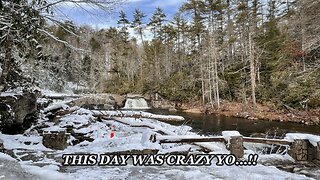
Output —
(6, 157)
(313, 139)
(228, 134)
(49, 172)
(56, 106)
(20, 141)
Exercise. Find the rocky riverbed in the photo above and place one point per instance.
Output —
(82, 131)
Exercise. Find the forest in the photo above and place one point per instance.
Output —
(234, 81)
(247, 51)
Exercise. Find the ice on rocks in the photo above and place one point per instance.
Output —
(6, 157)
(313, 139)
(132, 138)
(228, 134)
(56, 106)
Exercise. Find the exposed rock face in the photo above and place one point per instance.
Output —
(55, 140)
(17, 110)
(1, 146)
(100, 101)
(163, 104)
(158, 102)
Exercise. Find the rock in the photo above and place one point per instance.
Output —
(299, 150)
(162, 104)
(236, 146)
(317, 152)
(80, 137)
(55, 140)
(252, 118)
(120, 100)
(99, 101)
(172, 109)
(1, 146)
(132, 96)
(43, 103)
(17, 110)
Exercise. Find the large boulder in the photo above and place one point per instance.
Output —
(17, 110)
(99, 101)
(55, 140)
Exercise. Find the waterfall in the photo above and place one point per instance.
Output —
(136, 103)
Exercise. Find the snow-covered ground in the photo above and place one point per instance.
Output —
(45, 163)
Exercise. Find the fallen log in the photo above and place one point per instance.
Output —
(136, 115)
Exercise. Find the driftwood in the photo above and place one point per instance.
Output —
(290, 109)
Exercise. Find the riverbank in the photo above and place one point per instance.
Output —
(89, 132)
(262, 112)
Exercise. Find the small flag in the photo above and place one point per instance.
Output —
(111, 134)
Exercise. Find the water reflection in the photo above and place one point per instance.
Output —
(214, 125)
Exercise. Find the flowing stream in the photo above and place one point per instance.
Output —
(214, 125)
(136, 103)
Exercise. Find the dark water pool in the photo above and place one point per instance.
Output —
(214, 125)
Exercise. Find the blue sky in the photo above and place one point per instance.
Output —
(100, 19)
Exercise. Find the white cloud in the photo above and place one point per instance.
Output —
(147, 35)
(134, 0)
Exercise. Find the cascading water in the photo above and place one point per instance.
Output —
(136, 103)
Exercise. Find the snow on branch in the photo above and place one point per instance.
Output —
(61, 41)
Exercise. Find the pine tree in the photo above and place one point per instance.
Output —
(156, 23)
(20, 38)
(124, 24)
(195, 7)
(137, 23)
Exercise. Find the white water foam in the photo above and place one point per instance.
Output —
(136, 103)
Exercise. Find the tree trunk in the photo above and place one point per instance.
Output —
(252, 70)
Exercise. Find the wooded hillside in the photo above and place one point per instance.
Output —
(249, 51)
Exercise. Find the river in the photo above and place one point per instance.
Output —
(215, 124)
